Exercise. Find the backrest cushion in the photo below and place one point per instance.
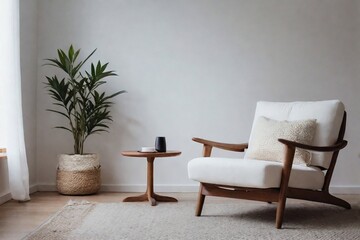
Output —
(264, 143)
(328, 115)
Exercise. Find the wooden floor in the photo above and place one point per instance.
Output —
(18, 219)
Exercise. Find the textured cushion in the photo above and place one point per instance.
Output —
(328, 115)
(252, 173)
(264, 144)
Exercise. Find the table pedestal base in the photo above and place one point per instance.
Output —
(152, 198)
(149, 195)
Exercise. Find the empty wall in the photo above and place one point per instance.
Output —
(197, 68)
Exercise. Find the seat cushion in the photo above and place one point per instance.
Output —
(328, 115)
(252, 173)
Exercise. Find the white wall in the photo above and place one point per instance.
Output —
(197, 68)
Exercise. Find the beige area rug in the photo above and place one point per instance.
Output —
(226, 220)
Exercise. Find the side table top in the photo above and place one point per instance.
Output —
(170, 153)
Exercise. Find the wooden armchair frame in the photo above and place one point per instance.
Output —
(283, 192)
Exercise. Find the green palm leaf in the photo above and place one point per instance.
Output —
(76, 96)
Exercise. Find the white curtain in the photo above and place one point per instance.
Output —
(12, 130)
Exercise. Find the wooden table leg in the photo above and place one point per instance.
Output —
(141, 198)
(149, 195)
(150, 180)
(161, 198)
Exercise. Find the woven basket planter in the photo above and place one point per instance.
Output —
(78, 174)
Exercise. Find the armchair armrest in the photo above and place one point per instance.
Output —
(225, 146)
(336, 147)
(289, 158)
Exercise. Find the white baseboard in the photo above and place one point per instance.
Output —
(46, 187)
(142, 188)
(7, 196)
(176, 188)
(131, 188)
(33, 188)
(4, 198)
(345, 189)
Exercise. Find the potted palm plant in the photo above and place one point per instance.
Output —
(77, 98)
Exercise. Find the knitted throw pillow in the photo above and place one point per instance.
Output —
(264, 144)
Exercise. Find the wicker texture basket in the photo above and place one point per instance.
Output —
(78, 182)
(78, 162)
(78, 174)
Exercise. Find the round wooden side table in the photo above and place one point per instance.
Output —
(149, 195)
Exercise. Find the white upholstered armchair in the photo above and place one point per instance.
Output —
(292, 152)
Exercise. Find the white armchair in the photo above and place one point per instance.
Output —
(292, 152)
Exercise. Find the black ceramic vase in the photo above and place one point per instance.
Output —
(160, 144)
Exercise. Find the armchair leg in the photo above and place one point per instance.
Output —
(289, 158)
(337, 201)
(280, 211)
(200, 203)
